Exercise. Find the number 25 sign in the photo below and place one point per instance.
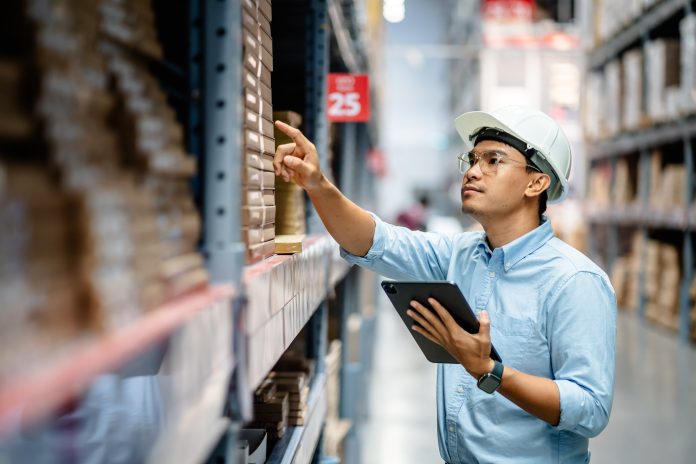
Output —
(348, 98)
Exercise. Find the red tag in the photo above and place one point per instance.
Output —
(348, 98)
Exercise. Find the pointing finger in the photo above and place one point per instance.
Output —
(296, 135)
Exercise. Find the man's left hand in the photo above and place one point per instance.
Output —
(471, 350)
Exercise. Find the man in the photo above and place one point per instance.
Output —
(550, 311)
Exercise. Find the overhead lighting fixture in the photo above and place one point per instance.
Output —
(394, 11)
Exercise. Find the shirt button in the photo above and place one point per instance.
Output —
(460, 389)
(492, 274)
(451, 429)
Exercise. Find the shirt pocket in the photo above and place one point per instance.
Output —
(513, 338)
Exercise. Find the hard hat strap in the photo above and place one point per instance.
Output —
(490, 133)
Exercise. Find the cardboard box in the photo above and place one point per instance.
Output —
(258, 197)
(253, 121)
(257, 142)
(255, 160)
(260, 251)
(254, 235)
(262, 180)
(258, 215)
(256, 103)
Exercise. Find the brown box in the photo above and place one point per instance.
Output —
(266, 9)
(260, 179)
(260, 251)
(254, 102)
(253, 121)
(254, 45)
(258, 197)
(258, 215)
(256, 160)
(255, 141)
(255, 62)
(254, 235)
(252, 17)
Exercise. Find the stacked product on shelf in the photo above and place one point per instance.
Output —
(692, 310)
(662, 274)
(667, 184)
(99, 191)
(625, 275)
(289, 196)
(281, 399)
(335, 429)
(663, 91)
(258, 199)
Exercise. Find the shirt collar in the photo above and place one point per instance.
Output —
(521, 247)
(525, 245)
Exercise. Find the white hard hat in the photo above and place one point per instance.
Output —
(544, 143)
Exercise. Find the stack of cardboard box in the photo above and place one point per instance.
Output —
(625, 275)
(663, 87)
(271, 409)
(335, 429)
(39, 287)
(687, 28)
(258, 199)
(632, 111)
(92, 157)
(662, 281)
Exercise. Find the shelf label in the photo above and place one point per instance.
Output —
(348, 98)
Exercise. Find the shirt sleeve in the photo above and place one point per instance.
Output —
(582, 337)
(401, 253)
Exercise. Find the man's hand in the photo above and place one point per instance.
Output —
(471, 350)
(298, 160)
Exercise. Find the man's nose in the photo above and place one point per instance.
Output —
(474, 171)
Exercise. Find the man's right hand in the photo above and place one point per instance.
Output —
(298, 160)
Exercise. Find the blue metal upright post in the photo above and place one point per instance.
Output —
(644, 183)
(317, 67)
(687, 250)
(222, 143)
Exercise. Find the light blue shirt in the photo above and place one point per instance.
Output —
(553, 315)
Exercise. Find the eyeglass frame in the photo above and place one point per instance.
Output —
(479, 157)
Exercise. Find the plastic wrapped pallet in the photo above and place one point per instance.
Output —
(633, 89)
(662, 58)
(613, 98)
(687, 28)
(593, 112)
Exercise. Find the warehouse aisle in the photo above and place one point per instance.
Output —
(655, 374)
(654, 402)
(402, 424)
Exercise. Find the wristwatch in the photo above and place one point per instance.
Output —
(490, 381)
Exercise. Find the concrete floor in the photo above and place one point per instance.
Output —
(653, 418)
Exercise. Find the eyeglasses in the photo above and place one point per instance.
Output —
(489, 161)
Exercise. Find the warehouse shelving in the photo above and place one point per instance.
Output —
(646, 22)
(269, 304)
(668, 224)
(38, 393)
(660, 134)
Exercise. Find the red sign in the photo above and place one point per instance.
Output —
(508, 10)
(348, 98)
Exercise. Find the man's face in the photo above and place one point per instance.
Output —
(493, 191)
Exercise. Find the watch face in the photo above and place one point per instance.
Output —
(488, 383)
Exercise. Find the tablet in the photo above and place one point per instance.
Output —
(449, 295)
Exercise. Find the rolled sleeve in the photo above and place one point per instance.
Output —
(400, 253)
(582, 330)
(376, 250)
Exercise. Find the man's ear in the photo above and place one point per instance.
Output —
(539, 183)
